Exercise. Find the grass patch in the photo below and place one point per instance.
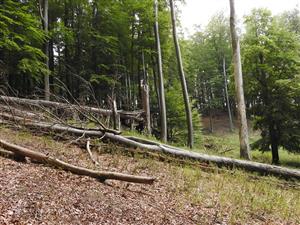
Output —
(219, 196)
(241, 197)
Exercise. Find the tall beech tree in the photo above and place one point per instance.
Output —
(44, 11)
(161, 88)
(238, 77)
(188, 111)
(271, 64)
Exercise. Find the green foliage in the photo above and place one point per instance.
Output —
(271, 63)
(176, 119)
(207, 50)
(21, 39)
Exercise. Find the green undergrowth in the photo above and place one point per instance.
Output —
(227, 145)
(240, 196)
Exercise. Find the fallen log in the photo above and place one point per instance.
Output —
(45, 159)
(262, 168)
(134, 115)
(17, 112)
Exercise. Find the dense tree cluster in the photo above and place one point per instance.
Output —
(270, 58)
(95, 51)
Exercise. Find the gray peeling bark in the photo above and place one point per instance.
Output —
(163, 114)
(182, 79)
(243, 127)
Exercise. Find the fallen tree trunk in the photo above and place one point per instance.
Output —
(17, 112)
(45, 159)
(135, 115)
(262, 168)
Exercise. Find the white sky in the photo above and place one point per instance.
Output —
(198, 12)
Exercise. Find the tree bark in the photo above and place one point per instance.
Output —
(146, 96)
(274, 145)
(138, 143)
(243, 127)
(146, 106)
(161, 88)
(46, 29)
(188, 112)
(135, 115)
(227, 96)
(100, 175)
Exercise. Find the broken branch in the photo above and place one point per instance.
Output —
(45, 159)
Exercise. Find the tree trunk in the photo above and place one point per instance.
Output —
(163, 113)
(243, 127)
(115, 114)
(135, 115)
(134, 142)
(155, 82)
(227, 96)
(146, 106)
(209, 99)
(183, 81)
(100, 175)
(145, 96)
(46, 28)
(274, 145)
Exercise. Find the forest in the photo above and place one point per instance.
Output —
(199, 129)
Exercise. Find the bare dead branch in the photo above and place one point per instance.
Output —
(100, 175)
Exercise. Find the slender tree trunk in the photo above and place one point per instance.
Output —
(145, 96)
(155, 81)
(46, 28)
(227, 96)
(209, 98)
(132, 88)
(274, 144)
(243, 127)
(183, 81)
(161, 88)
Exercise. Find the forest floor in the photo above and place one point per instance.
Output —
(225, 143)
(183, 193)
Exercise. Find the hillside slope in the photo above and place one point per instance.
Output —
(183, 194)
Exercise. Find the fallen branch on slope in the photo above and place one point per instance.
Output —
(262, 168)
(135, 115)
(100, 175)
(90, 152)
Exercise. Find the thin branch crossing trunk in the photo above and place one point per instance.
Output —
(243, 127)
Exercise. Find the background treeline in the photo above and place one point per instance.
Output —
(270, 59)
(111, 45)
